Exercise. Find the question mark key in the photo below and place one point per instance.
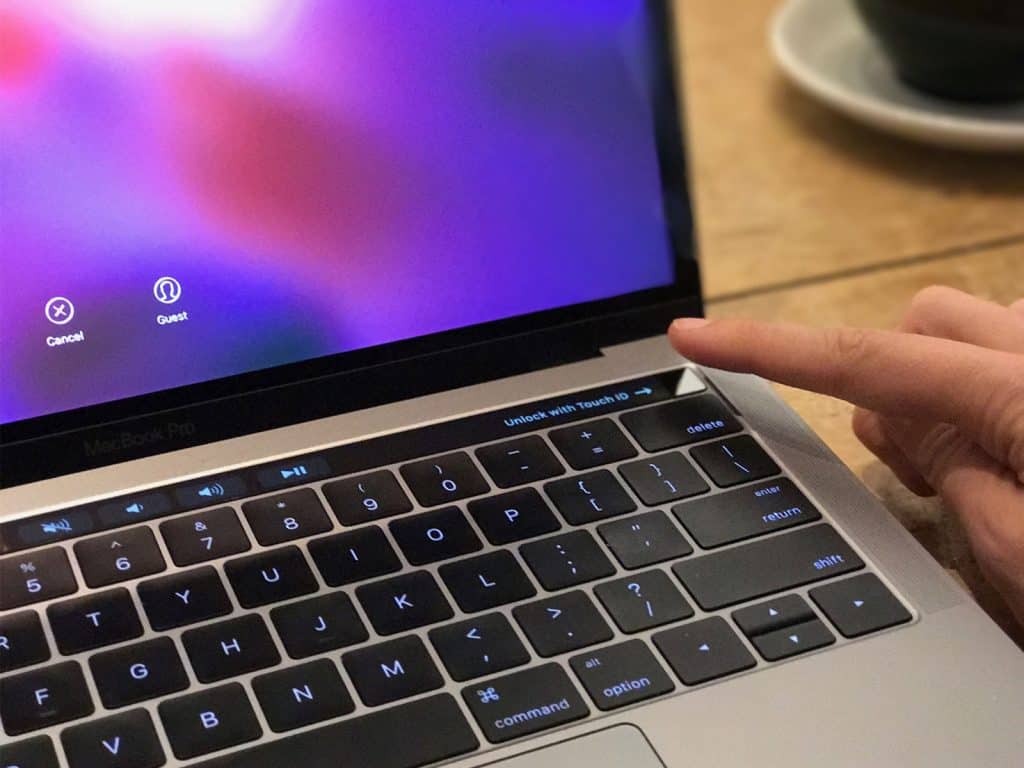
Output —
(643, 600)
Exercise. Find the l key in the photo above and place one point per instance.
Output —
(487, 581)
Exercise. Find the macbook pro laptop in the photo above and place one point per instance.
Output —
(340, 429)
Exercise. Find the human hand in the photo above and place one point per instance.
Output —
(941, 401)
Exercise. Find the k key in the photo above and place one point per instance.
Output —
(89, 622)
(230, 648)
(126, 740)
(119, 556)
(404, 602)
(270, 576)
(204, 536)
(286, 517)
(184, 598)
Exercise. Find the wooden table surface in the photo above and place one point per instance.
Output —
(803, 215)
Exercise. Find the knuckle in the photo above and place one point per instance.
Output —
(849, 350)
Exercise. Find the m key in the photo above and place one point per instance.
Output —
(393, 670)
(127, 740)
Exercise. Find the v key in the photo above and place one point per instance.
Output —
(125, 740)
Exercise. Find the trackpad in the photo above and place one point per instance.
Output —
(622, 745)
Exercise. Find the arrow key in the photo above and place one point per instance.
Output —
(860, 605)
(703, 650)
(789, 641)
(481, 646)
(772, 614)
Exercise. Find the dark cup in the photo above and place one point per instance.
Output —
(968, 50)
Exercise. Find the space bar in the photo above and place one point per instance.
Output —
(414, 734)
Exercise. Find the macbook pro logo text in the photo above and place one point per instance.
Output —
(125, 441)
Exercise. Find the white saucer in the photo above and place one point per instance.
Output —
(823, 46)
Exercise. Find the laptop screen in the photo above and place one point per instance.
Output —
(195, 190)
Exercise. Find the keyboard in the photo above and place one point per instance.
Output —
(458, 585)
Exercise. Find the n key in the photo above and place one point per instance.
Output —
(302, 695)
(93, 621)
(184, 598)
(127, 740)
(270, 576)
(119, 556)
(230, 648)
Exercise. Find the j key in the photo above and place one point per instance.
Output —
(286, 517)
(860, 605)
(621, 674)
(593, 496)
(301, 695)
(127, 740)
(404, 602)
(667, 477)
(184, 598)
(480, 646)
(432, 536)
(35, 576)
(318, 625)
(770, 565)
(119, 556)
(644, 539)
(562, 623)
(513, 516)
(643, 600)
(524, 460)
(592, 444)
(444, 479)
(22, 641)
(566, 560)
(212, 719)
(680, 422)
(43, 697)
(36, 752)
(393, 670)
(230, 648)
(96, 620)
(703, 650)
(372, 496)
(270, 576)
(204, 536)
(354, 556)
(487, 581)
(138, 672)
(430, 730)
(734, 461)
(723, 518)
(772, 614)
(789, 641)
(524, 702)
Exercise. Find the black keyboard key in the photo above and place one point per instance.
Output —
(524, 703)
(487, 581)
(593, 496)
(767, 566)
(681, 422)
(860, 605)
(230, 648)
(286, 517)
(480, 646)
(318, 625)
(419, 733)
(663, 478)
(444, 479)
(772, 614)
(703, 650)
(204, 536)
(184, 598)
(119, 556)
(523, 460)
(22, 641)
(36, 752)
(126, 740)
(644, 539)
(734, 461)
(621, 674)
(93, 621)
(513, 516)
(354, 556)
(298, 696)
(212, 719)
(592, 443)
(723, 518)
(404, 602)
(43, 697)
(562, 623)
(372, 496)
(35, 576)
(566, 560)
(392, 670)
(437, 535)
(138, 672)
(271, 576)
(789, 641)
(643, 600)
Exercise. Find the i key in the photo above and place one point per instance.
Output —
(41, 575)
(126, 740)
(286, 517)
(204, 536)
(354, 556)
(444, 479)
(372, 496)
(119, 556)
(184, 598)
(270, 576)
(89, 622)
(230, 648)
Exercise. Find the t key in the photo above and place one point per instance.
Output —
(95, 620)
(33, 577)
(119, 556)
(286, 516)
(444, 479)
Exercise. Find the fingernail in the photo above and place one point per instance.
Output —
(689, 323)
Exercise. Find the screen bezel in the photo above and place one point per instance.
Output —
(56, 444)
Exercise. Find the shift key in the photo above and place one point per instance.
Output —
(767, 566)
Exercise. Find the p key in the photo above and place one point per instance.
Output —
(119, 556)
